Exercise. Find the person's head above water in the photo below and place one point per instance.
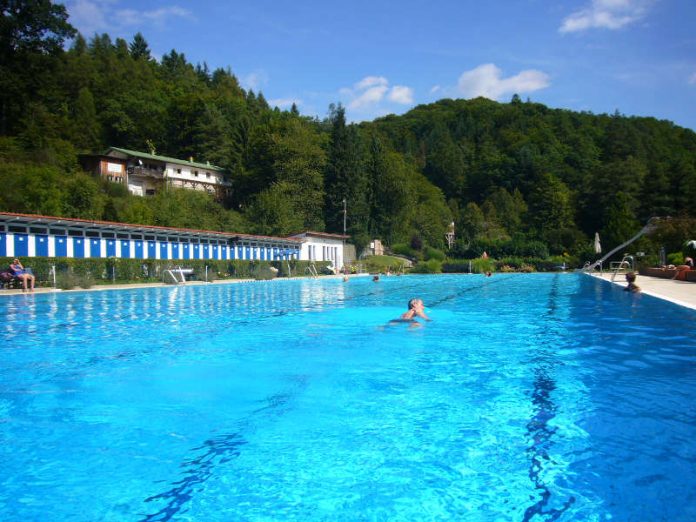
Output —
(415, 302)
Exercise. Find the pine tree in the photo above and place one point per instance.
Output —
(139, 48)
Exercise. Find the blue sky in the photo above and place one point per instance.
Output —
(378, 57)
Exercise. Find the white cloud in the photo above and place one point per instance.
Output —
(692, 79)
(401, 94)
(605, 14)
(131, 17)
(87, 16)
(370, 96)
(372, 90)
(371, 81)
(93, 16)
(435, 89)
(254, 81)
(486, 80)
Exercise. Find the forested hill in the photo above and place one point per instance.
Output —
(516, 178)
(558, 175)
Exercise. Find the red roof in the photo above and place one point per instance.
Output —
(55, 220)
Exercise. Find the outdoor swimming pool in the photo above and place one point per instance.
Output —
(529, 397)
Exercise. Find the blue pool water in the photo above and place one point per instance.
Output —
(528, 397)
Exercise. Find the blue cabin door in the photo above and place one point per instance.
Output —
(110, 248)
(94, 248)
(163, 251)
(42, 245)
(125, 249)
(3, 244)
(78, 247)
(61, 246)
(139, 250)
(152, 250)
(21, 245)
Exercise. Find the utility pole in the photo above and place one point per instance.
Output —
(344, 216)
(449, 235)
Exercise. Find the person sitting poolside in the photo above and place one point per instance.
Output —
(631, 286)
(416, 308)
(23, 274)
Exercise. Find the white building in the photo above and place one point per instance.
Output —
(321, 246)
(145, 174)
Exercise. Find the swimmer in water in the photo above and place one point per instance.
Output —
(415, 309)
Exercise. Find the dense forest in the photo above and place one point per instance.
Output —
(517, 178)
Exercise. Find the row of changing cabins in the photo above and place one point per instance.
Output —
(27, 236)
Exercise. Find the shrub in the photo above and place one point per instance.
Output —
(675, 258)
(432, 266)
(433, 253)
(403, 249)
(66, 280)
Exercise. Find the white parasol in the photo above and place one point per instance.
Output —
(597, 244)
(691, 243)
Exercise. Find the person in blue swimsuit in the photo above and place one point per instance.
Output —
(23, 274)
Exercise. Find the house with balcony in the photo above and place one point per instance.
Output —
(145, 174)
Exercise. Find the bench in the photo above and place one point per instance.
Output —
(9, 280)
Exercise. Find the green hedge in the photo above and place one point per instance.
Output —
(509, 264)
(72, 272)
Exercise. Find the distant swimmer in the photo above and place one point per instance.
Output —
(415, 309)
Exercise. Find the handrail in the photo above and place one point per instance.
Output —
(649, 227)
(622, 263)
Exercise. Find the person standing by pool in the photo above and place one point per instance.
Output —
(24, 274)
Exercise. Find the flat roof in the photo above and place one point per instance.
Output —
(54, 221)
(325, 235)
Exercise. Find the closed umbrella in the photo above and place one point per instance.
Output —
(691, 243)
(597, 244)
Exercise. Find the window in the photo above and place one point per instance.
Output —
(14, 228)
(195, 173)
(76, 233)
(122, 236)
(92, 233)
(37, 230)
(149, 238)
(207, 174)
(178, 171)
(108, 234)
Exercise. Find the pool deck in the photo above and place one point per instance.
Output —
(680, 292)
(99, 288)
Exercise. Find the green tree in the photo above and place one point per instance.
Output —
(139, 48)
(346, 178)
(30, 32)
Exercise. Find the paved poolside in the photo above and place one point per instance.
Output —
(680, 292)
